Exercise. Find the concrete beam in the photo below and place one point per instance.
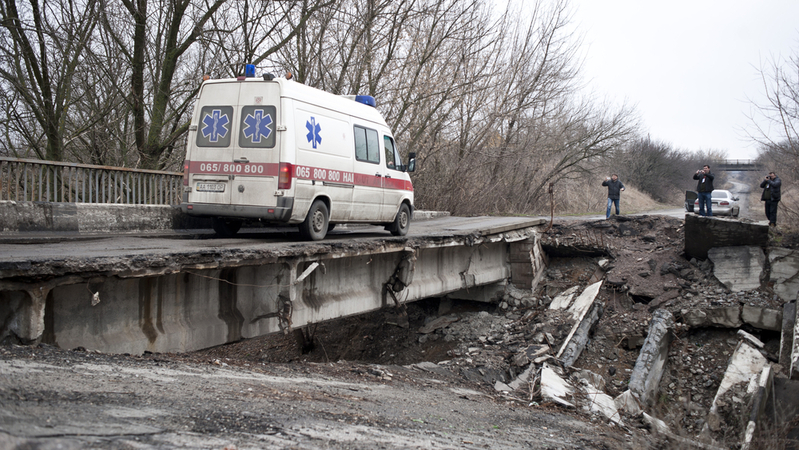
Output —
(586, 312)
(724, 317)
(762, 318)
(757, 405)
(704, 233)
(651, 362)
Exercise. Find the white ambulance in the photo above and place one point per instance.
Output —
(276, 151)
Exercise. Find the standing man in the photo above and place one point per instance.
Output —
(614, 190)
(771, 195)
(704, 189)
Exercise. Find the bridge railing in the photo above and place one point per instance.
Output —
(51, 181)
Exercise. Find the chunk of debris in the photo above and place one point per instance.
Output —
(738, 268)
(762, 318)
(784, 272)
(596, 400)
(751, 339)
(651, 360)
(627, 402)
(564, 299)
(586, 313)
(725, 316)
(554, 388)
(441, 322)
(746, 363)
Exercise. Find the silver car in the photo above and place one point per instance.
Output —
(724, 204)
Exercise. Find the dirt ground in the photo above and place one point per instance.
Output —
(420, 378)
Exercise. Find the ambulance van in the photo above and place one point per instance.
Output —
(276, 151)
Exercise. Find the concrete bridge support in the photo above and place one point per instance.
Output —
(180, 303)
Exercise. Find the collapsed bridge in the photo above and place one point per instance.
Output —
(129, 295)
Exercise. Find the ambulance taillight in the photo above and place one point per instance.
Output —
(185, 173)
(284, 176)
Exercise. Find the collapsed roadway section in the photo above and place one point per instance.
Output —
(130, 295)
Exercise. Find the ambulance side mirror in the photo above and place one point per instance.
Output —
(411, 161)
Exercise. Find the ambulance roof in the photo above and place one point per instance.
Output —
(298, 91)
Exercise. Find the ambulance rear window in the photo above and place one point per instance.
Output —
(257, 127)
(214, 127)
(367, 145)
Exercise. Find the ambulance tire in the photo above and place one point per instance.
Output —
(402, 222)
(226, 227)
(314, 227)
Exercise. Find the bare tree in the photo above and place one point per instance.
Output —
(781, 108)
(41, 47)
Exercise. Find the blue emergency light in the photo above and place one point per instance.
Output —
(366, 100)
(249, 70)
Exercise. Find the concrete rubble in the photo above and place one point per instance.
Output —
(738, 268)
(652, 358)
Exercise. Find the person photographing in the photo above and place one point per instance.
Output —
(614, 192)
(704, 190)
(771, 195)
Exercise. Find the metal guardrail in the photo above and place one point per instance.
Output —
(51, 181)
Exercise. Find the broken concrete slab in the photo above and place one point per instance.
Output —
(784, 272)
(523, 379)
(598, 401)
(723, 317)
(586, 312)
(745, 364)
(751, 339)
(651, 360)
(554, 388)
(564, 299)
(762, 318)
(596, 380)
(738, 268)
(703, 233)
(585, 300)
(627, 402)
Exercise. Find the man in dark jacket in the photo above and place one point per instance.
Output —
(614, 192)
(704, 189)
(771, 195)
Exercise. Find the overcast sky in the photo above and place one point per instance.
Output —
(689, 67)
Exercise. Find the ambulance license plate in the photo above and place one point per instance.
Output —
(210, 187)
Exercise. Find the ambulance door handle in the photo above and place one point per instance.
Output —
(378, 174)
(241, 160)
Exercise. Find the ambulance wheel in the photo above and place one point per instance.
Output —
(402, 222)
(314, 227)
(226, 227)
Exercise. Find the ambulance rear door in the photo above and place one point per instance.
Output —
(212, 152)
(256, 157)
